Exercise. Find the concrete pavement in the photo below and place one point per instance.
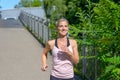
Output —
(20, 54)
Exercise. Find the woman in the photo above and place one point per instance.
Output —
(64, 53)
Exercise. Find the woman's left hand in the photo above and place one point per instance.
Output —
(66, 50)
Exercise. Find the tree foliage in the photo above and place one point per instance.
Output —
(30, 3)
(109, 45)
(55, 9)
(93, 23)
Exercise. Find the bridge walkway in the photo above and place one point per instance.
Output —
(20, 53)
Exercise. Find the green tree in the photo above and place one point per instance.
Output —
(54, 9)
(109, 45)
(30, 3)
(36, 3)
(100, 23)
(95, 24)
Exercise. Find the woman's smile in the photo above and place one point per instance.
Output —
(63, 28)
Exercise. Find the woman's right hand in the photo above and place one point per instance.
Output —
(44, 68)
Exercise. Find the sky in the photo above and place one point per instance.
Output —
(8, 4)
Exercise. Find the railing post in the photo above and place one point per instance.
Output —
(43, 30)
(38, 28)
(95, 51)
(84, 58)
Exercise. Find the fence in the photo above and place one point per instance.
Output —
(38, 26)
(89, 64)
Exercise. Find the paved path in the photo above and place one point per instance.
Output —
(20, 54)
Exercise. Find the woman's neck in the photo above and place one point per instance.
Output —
(62, 38)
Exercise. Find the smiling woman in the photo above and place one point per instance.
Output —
(64, 53)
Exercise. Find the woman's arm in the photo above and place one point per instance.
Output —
(44, 56)
(75, 55)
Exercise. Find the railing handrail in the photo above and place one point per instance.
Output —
(38, 26)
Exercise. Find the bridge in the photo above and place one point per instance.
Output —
(14, 13)
(20, 51)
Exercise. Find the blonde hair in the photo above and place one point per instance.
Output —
(60, 20)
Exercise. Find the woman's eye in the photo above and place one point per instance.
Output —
(61, 26)
(66, 26)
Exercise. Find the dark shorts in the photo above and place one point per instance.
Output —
(55, 78)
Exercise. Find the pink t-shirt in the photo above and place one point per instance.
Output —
(62, 66)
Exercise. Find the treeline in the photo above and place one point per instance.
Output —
(28, 3)
(95, 24)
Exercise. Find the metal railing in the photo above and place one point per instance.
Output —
(89, 62)
(37, 26)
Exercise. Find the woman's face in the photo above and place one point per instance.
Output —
(63, 28)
